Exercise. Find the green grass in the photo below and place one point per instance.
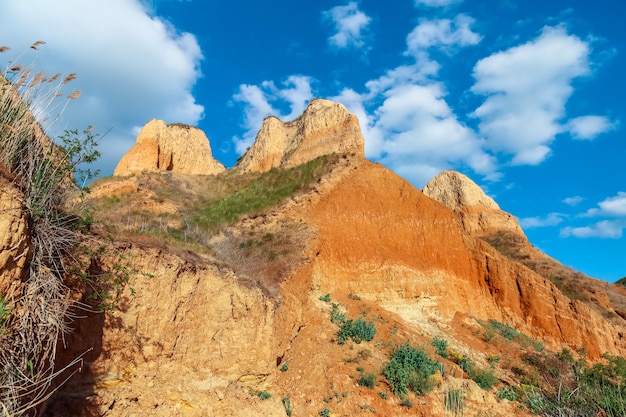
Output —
(509, 333)
(261, 193)
(454, 401)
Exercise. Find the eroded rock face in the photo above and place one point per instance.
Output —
(479, 213)
(14, 241)
(187, 326)
(324, 128)
(177, 148)
(410, 255)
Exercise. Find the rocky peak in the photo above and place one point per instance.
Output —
(325, 127)
(479, 213)
(176, 147)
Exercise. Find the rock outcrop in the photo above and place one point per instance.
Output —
(324, 128)
(479, 213)
(177, 148)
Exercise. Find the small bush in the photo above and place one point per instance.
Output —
(483, 377)
(410, 367)
(367, 380)
(325, 298)
(382, 395)
(358, 330)
(441, 347)
(508, 393)
(264, 395)
(324, 413)
(284, 367)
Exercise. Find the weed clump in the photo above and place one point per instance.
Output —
(358, 330)
(410, 368)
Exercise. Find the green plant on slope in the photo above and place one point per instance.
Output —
(410, 367)
(441, 347)
(358, 330)
(287, 405)
(454, 401)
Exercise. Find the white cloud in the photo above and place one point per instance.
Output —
(612, 206)
(551, 219)
(589, 127)
(131, 66)
(526, 89)
(294, 93)
(405, 118)
(436, 3)
(612, 229)
(572, 201)
(415, 132)
(349, 23)
(443, 33)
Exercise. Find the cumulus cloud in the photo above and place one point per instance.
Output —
(131, 65)
(350, 24)
(268, 99)
(405, 118)
(443, 33)
(526, 89)
(589, 127)
(551, 219)
(612, 229)
(612, 206)
(572, 201)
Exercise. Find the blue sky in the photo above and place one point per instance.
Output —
(525, 97)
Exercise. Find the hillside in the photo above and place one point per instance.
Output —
(307, 280)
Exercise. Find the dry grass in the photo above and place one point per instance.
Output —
(42, 171)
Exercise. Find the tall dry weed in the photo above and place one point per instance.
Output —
(37, 312)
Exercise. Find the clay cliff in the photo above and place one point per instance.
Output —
(242, 315)
(175, 148)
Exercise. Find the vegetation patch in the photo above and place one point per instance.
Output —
(358, 330)
(410, 368)
(261, 193)
(509, 333)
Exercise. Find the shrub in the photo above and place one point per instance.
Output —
(284, 367)
(357, 330)
(508, 393)
(382, 395)
(324, 413)
(409, 367)
(325, 298)
(264, 395)
(367, 380)
(483, 377)
(441, 347)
